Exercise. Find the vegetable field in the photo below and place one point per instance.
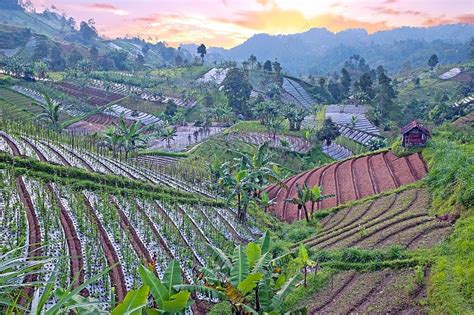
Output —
(97, 229)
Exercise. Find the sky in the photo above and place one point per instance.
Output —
(227, 23)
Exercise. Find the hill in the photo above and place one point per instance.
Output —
(21, 32)
(319, 51)
(349, 180)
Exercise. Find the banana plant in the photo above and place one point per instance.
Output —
(66, 300)
(303, 197)
(251, 273)
(316, 195)
(168, 298)
(304, 261)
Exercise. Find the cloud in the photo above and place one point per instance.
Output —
(276, 20)
(464, 19)
(105, 7)
(395, 12)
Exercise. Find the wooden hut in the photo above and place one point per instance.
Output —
(414, 134)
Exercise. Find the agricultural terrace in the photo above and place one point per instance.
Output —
(103, 226)
(348, 180)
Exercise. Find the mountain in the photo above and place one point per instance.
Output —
(319, 51)
(24, 34)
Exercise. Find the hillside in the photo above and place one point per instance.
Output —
(21, 31)
(319, 51)
(351, 179)
(94, 216)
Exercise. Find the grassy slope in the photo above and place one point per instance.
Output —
(34, 22)
(227, 150)
(451, 178)
(430, 87)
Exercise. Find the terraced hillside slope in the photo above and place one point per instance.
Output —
(350, 179)
(99, 228)
(392, 222)
(400, 219)
(377, 292)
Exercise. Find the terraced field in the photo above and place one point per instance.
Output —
(349, 180)
(397, 219)
(16, 106)
(100, 229)
(378, 292)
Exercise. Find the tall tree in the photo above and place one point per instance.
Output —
(321, 82)
(335, 90)
(267, 66)
(295, 115)
(237, 89)
(433, 61)
(87, 30)
(202, 51)
(365, 84)
(94, 54)
(345, 82)
(385, 96)
(329, 131)
(252, 61)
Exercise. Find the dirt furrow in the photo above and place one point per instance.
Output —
(132, 235)
(426, 237)
(34, 239)
(372, 294)
(333, 294)
(116, 273)
(73, 243)
(329, 186)
(362, 178)
(344, 182)
(352, 230)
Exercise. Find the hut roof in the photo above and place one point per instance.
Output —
(415, 124)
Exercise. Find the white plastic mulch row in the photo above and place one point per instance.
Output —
(144, 118)
(120, 247)
(356, 135)
(336, 151)
(94, 264)
(298, 93)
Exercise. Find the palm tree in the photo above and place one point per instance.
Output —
(301, 200)
(354, 120)
(244, 179)
(112, 140)
(40, 69)
(50, 113)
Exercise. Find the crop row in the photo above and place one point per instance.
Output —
(349, 180)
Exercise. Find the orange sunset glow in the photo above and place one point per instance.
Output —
(226, 23)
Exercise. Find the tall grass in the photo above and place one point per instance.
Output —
(451, 179)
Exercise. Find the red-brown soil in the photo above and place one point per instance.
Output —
(349, 180)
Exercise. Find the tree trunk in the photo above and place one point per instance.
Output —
(257, 299)
(306, 212)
